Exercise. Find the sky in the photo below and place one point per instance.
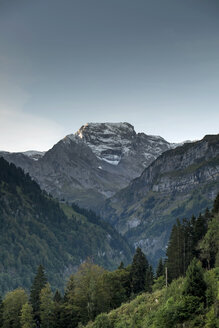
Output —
(63, 63)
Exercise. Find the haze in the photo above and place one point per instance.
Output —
(152, 63)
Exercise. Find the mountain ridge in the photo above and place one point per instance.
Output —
(93, 164)
(180, 182)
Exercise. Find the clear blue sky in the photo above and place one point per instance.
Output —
(152, 63)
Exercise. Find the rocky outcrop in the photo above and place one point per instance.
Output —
(93, 164)
(178, 183)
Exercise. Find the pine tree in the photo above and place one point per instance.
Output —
(27, 320)
(175, 252)
(208, 214)
(216, 205)
(160, 269)
(121, 266)
(58, 309)
(38, 284)
(138, 271)
(195, 284)
(200, 229)
(57, 297)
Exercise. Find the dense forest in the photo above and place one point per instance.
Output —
(184, 291)
(35, 228)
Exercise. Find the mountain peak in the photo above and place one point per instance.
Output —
(109, 141)
(104, 128)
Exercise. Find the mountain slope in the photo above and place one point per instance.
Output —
(180, 182)
(165, 308)
(93, 164)
(35, 229)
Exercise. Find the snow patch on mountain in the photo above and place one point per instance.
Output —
(112, 142)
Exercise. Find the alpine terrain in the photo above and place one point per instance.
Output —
(179, 183)
(93, 164)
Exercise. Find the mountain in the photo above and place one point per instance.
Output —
(179, 183)
(93, 164)
(34, 154)
(35, 229)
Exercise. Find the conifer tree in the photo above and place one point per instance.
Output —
(138, 271)
(195, 284)
(38, 284)
(121, 266)
(57, 297)
(200, 229)
(160, 269)
(208, 214)
(216, 205)
(175, 252)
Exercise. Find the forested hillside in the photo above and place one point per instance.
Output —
(185, 290)
(182, 294)
(35, 229)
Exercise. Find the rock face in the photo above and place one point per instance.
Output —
(178, 183)
(93, 164)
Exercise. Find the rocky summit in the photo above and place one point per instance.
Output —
(93, 164)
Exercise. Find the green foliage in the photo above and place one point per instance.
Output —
(160, 269)
(209, 245)
(216, 205)
(92, 292)
(211, 320)
(117, 288)
(136, 314)
(183, 244)
(102, 321)
(46, 307)
(159, 283)
(149, 279)
(1, 313)
(89, 291)
(168, 315)
(138, 271)
(34, 229)
(12, 306)
(38, 284)
(195, 284)
(57, 297)
(212, 290)
(173, 307)
(27, 320)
